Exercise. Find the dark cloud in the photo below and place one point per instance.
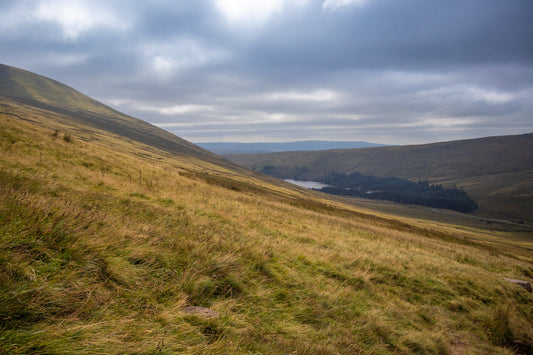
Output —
(400, 34)
(387, 71)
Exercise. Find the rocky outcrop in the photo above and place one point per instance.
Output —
(201, 312)
(522, 283)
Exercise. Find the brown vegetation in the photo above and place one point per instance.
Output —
(106, 242)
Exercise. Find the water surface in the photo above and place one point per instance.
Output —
(307, 184)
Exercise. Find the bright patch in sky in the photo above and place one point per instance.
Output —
(75, 17)
(172, 57)
(315, 96)
(177, 109)
(446, 122)
(335, 4)
(253, 13)
(248, 12)
(491, 97)
(467, 93)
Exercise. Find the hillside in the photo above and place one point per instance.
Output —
(497, 172)
(39, 92)
(111, 244)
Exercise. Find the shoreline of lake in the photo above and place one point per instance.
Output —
(307, 184)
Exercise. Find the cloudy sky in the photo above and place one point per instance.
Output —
(384, 71)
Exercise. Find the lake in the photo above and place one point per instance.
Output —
(307, 184)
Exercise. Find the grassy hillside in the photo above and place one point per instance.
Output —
(106, 243)
(497, 172)
(37, 91)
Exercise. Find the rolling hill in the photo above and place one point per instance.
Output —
(117, 237)
(497, 172)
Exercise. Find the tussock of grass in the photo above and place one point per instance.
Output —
(96, 257)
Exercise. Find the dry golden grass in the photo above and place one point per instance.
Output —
(104, 241)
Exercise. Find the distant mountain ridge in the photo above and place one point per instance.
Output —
(273, 147)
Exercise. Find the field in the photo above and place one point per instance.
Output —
(106, 241)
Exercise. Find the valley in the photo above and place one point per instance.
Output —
(496, 172)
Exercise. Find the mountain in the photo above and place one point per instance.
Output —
(117, 237)
(497, 172)
(37, 91)
(259, 148)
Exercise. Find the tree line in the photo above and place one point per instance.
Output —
(398, 190)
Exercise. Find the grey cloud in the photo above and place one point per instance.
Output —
(402, 34)
(398, 72)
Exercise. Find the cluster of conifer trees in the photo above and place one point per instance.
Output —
(398, 190)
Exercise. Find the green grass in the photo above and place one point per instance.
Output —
(104, 241)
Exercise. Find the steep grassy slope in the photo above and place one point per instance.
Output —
(105, 241)
(40, 92)
(497, 172)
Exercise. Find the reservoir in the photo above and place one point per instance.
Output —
(307, 184)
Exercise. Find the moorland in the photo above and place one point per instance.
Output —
(118, 237)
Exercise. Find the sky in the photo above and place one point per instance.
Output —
(382, 71)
